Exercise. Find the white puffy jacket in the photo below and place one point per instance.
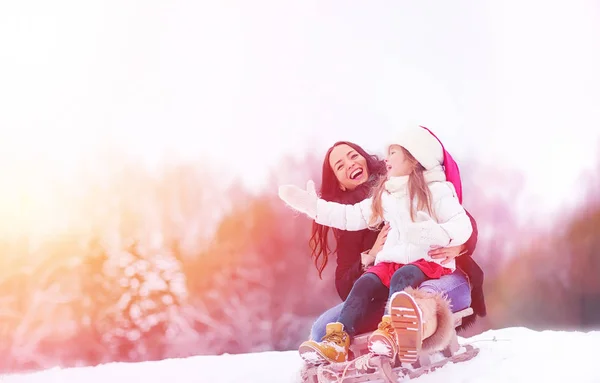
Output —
(400, 246)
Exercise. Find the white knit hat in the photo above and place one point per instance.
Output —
(421, 144)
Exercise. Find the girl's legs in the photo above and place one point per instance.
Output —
(428, 309)
(432, 297)
(383, 340)
(372, 315)
(366, 289)
(406, 276)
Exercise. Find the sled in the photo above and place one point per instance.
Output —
(364, 366)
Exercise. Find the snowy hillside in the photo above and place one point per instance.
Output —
(508, 355)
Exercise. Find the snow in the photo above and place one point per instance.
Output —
(311, 356)
(507, 355)
(380, 348)
(337, 347)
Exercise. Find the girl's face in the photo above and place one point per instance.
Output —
(397, 163)
(349, 167)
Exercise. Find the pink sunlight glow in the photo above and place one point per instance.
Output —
(141, 145)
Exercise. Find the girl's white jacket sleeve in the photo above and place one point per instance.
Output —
(344, 217)
(451, 216)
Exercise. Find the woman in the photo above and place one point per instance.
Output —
(348, 175)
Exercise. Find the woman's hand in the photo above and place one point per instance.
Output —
(366, 260)
(447, 254)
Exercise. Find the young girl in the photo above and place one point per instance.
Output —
(423, 211)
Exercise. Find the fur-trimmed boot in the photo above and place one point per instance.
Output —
(332, 348)
(422, 321)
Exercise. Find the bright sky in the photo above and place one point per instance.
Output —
(512, 81)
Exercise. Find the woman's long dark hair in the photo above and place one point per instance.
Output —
(330, 191)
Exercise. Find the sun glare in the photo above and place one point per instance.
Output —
(38, 175)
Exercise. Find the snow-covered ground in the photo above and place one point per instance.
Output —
(507, 355)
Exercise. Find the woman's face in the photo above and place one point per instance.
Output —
(349, 167)
(397, 163)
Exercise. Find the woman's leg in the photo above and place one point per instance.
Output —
(333, 346)
(317, 332)
(454, 287)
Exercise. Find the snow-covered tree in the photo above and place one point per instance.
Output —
(151, 290)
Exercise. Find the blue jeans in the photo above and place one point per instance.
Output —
(454, 286)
